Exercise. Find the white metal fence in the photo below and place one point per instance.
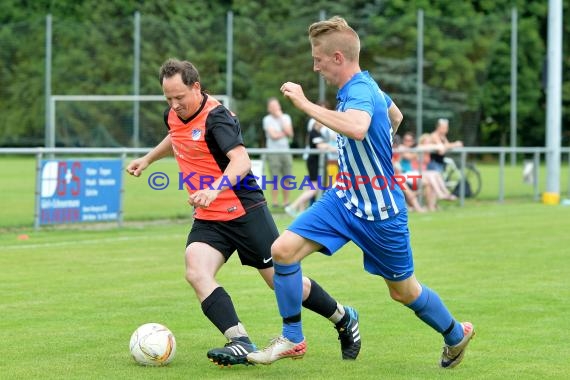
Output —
(538, 154)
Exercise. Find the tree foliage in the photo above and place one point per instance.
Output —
(466, 72)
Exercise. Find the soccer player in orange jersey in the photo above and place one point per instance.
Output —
(230, 213)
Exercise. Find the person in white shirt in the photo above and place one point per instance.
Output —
(278, 130)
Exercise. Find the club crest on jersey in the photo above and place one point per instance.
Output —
(196, 134)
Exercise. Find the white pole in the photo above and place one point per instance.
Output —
(553, 102)
(514, 64)
(230, 58)
(136, 78)
(48, 142)
(420, 74)
(52, 122)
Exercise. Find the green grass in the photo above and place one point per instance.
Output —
(70, 299)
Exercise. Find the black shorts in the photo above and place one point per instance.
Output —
(313, 168)
(251, 235)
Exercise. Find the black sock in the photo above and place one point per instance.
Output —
(320, 301)
(343, 321)
(219, 309)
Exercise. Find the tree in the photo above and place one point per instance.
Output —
(466, 72)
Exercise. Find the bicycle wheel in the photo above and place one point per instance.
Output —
(473, 177)
(472, 181)
(451, 177)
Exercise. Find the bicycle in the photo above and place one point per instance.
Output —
(452, 177)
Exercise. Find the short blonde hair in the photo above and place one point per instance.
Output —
(335, 34)
(424, 139)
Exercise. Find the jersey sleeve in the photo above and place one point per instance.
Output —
(225, 129)
(360, 98)
(165, 115)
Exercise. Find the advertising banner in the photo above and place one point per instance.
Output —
(79, 190)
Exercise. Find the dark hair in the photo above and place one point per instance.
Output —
(186, 69)
(396, 140)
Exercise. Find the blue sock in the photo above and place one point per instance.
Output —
(430, 309)
(293, 331)
(288, 281)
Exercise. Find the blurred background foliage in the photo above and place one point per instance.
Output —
(466, 75)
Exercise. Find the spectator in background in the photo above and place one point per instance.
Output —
(316, 141)
(432, 181)
(409, 192)
(435, 177)
(439, 137)
(278, 130)
(329, 136)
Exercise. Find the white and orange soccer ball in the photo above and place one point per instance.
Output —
(153, 344)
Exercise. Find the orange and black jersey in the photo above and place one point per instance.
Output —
(200, 145)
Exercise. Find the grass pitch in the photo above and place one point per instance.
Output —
(70, 299)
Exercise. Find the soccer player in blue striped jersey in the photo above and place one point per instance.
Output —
(365, 206)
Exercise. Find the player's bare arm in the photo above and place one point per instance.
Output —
(238, 167)
(455, 144)
(395, 116)
(350, 123)
(163, 149)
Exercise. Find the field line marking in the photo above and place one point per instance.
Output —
(90, 241)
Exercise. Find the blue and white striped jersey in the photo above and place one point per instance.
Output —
(366, 182)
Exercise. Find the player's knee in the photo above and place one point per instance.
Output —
(404, 296)
(192, 276)
(193, 273)
(281, 253)
(397, 296)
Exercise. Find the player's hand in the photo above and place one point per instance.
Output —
(294, 92)
(203, 198)
(135, 167)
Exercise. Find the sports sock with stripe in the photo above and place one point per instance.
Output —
(219, 309)
(430, 309)
(288, 282)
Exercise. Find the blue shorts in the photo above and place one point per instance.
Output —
(437, 166)
(384, 243)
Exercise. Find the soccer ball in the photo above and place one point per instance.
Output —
(153, 344)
